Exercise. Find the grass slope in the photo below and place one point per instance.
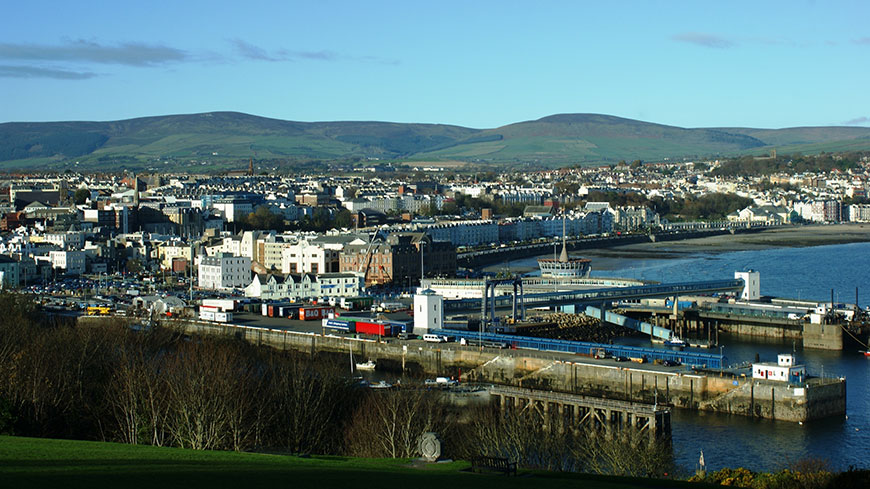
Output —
(31, 463)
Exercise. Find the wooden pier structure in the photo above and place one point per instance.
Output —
(583, 412)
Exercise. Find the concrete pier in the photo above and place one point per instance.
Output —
(587, 413)
(561, 373)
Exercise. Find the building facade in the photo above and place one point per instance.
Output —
(224, 271)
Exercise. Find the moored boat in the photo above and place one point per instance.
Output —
(369, 365)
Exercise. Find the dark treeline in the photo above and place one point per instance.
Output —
(710, 206)
(159, 387)
(791, 164)
(321, 220)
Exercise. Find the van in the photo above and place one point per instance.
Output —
(434, 338)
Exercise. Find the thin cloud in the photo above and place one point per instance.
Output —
(254, 52)
(80, 50)
(251, 51)
(863, 40)
(857, 121)
(703, 39)
(9, 71)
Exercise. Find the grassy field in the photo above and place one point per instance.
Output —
(31, 462)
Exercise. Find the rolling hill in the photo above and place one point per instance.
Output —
(556, 140)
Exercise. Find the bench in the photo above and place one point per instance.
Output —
(494, 464)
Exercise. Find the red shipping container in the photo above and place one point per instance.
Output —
(373, 328)
(311, 313)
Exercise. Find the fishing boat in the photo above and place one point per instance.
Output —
(369, 365)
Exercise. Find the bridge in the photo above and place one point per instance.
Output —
(595, 296)
(584, 412)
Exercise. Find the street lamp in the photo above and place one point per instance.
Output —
(721, 357)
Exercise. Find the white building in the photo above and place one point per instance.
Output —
(784, 370)
(69, 240)
(341, 284)
(233, 209)
(292, 286)
(752, 285)
(428, 311)
(71, 262)
(308, 257)
(465, 233)
(224, 271)
(859, 213)
(9, 272)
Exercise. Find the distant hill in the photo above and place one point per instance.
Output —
(551, 141)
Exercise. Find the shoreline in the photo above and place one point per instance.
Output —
(784, 237)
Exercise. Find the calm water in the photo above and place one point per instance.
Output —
(801, 273)
(806, 273)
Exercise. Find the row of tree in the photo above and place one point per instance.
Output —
(320, 220)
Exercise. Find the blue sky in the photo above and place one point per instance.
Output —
(472, 63)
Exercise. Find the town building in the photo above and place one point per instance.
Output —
(224, 271)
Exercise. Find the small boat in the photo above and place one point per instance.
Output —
(369, 365)
(675, 341)
(381, 385)
(866, 353)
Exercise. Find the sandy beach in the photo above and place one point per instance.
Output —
(792, 236)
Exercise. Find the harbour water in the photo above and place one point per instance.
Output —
(806, 273)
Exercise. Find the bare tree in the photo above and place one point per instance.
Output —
(525, 435)
(628, 452)
(389, 424)
(202, 378)
(310, 402)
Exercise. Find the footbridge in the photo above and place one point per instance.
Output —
(625, 321)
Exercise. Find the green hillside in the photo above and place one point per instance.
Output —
(595, 138)
(222, 139)
(42, 463)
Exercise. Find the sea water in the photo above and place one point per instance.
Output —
(758, 444)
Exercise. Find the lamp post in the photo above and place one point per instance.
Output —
(721, 357)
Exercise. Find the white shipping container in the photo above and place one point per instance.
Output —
(206, 315)
(223, 317)
(222, 304)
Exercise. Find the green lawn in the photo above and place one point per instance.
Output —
(31, 462)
